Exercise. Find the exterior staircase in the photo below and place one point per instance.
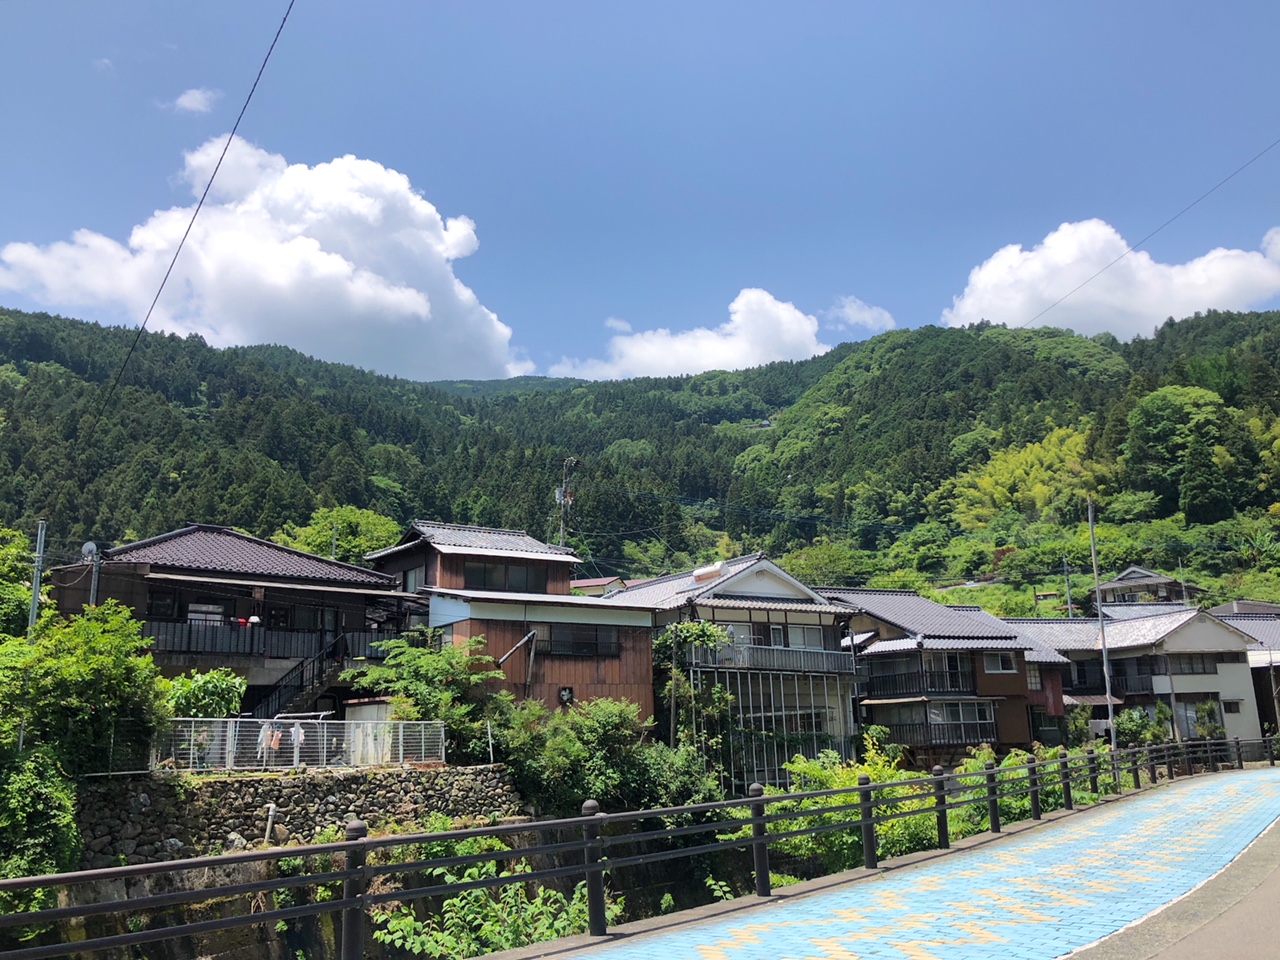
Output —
(302, 685)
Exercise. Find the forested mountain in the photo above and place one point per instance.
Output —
(932, 454)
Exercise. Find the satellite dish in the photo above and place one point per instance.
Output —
(88, 550)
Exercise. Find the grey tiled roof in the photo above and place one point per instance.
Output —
(1063, 635)
(1133, 611)
(676, 589)
(1245, 606)
(1264, 628)
(921, 617)
(479, 539)
(222, 550)
(901, 644)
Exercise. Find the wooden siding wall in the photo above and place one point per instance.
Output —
(628, 676)
(450, 573)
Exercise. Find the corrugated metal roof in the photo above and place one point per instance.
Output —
(920, 616)
(1245, 606)
(590, 582)
(530, 599)
(478, 540)
(1063, 635)
(223, 550)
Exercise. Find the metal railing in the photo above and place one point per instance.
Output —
(589, 846)
(920, 682)
(777, 659)
(1124, 685)
(309, 676)
(253, 640)
(960, 733)
(289, 743)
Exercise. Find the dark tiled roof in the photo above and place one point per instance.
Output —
(1075, 634)
(1137, 632)
(477, 539)
(920, 617)
(223, 550)
(905, 644)
(1245, 606)
(1264, 628)
(663, 593)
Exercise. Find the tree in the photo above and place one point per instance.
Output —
(15, 578)
(359, 532)
(84, 687)
(429, 680)
(210, 695)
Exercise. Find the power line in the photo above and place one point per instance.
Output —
(191, 223)
(1221, 183)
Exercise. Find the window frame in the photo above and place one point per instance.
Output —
(1000, 656)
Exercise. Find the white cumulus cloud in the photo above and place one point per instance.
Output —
(760, 329)
(197, 100)
(621, 326)
(850, 312)
(342, 260)
(1130, 298)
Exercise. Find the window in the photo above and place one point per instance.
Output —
(1234, 657)
(279, 618)
(1034, 680)
(579, 640)
(1231, 706)
(503, 577)
(810, 637)
(960, 711)
(777, 636)
(412, 580)
(162, 605)
(1188, 663)
(999, 662)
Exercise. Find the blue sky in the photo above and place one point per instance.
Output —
(474, 190)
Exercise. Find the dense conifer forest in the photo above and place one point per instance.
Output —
(923, 458)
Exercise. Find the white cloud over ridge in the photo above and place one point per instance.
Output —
(341, 260)
(1132, 297)
(760, 329)
(850, 312)
(197, 100)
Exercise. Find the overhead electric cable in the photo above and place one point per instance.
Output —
(191, 223)
(1221, 183)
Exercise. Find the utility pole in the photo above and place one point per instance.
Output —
(1066, 572)
(97, 574)
(35, 577)
(563, 496)
(1102, 627)
(333, 550)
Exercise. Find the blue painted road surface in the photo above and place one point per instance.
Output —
(1034, 896)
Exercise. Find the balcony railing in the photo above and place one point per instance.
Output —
(964, 734)
(255, 640)
(1127, 686)
(783, 659)
(916, 683)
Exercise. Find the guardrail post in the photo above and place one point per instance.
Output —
(1239, 755)
(596, 919)
(1271, 750)
(1113, 760)
(1186, 759)
(1169, 765)
(1213, 755)
(870, 858)
(1151, 763)
(1135, 766)
(940, 804)
(1033, 788)
(1092, 758)
(993, 797)
(1067, 802)
(760, 848)
(353, 889)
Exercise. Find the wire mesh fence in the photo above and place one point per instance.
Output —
(287, 743)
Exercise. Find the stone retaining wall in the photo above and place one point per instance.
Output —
(163, 816)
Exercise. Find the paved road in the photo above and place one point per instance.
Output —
(1041, 894)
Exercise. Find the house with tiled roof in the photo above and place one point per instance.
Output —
(515, 591)
(942, 678)
(1135, 584)
(1264, 659)
(1181, 657)
(788, 667)
(212, 596)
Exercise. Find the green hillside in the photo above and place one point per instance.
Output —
(921, 457)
